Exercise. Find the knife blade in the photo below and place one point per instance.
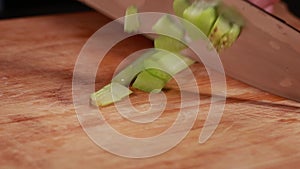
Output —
(266, 55)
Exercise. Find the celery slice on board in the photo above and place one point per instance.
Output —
(110, 93)
(126, 76)
(147, 82)
(230, 37)
(131, 22)
(179, 6)
(166, 26)
(169, 44)
(220, 28)
(159, 69)
(160, 74)
(203, 18)
(168, 62)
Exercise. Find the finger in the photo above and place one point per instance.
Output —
(269, 8)
(263, 3)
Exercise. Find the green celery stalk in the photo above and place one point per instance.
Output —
(160, 74)
(169, 44)
(230, 37)
(159, 69)
(131, 22)
(126, 76)
(165, 26)
(147, 82)
(168, 62)
(202, 15)
(220, 28)
(179, 6)
(110, 93)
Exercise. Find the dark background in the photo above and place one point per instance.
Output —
(294, 6)
(20, 8)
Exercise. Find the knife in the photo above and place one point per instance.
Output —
(266, 55)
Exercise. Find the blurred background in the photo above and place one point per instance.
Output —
(21, 8)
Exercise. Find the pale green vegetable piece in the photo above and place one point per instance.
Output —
(147, 82)
(168, 62)
(179, 6)
(126, 76)
(160, 74)
(166, 26)
(220, 28)
(169, 44)
(110, 93)
(230, 37)
(201, 15)
(131, 22)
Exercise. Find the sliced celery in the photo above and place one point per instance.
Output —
(233, 34)
(179, 6)
(233, 17)
(168, 62)
(230, 37)
(131, 22)
(201, 15)
(159, 70)
(126, 76)
(110, 93)
(147, 82)
(160, 74)
(165, 26)
(155, 68)
(220, 28)
(169, 44)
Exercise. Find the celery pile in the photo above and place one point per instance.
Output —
(152, 71)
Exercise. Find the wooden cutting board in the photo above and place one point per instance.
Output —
(39, 127)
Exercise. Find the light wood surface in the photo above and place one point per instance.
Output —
(39, 127)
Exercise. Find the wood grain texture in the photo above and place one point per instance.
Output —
(39, 127)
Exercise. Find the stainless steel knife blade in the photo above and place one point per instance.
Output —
(266, 55)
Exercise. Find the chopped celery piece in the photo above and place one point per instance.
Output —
(126, 76)
(160, 74)
(110, 93)
(159, 69)
(201, 16)
(233, 34)
(145, 81)
(129, 73)
(229, 38)
(220, 28)
(169, 44)
(179, 6)
(131, 23)
(168, 62)
(165, 26)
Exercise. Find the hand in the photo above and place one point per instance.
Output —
(267, 5)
